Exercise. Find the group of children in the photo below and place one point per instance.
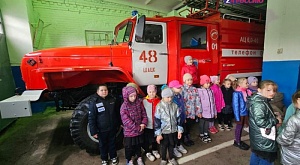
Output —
(150, 122)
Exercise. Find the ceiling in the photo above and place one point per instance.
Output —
(166, 6)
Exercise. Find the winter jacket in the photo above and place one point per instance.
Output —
(290, 111)
(167, 119)
(150, 106)
(227, 95)
(133, 114)
(207, 103)
(261, 116)
(239, 105)
(179, 101)
(219, 100)
(191, 69)
(289, 140)
(191, 101)
(102, 115)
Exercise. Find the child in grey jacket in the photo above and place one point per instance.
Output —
(167, 125)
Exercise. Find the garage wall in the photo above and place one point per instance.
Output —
(58, 23)
(281, 54)
(40, 24)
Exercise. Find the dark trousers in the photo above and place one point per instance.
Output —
(107, 144)
(149, 140)
(226, 118)
(179, 141)
(133, 150)
(167, 144)
(239, 128)
(203, 126)
(187, 127)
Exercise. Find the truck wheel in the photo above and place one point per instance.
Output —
(80, 130)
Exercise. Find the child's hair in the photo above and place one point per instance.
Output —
(226, 79)
(238, 82)
(295, 96)
(266, 83)
(102, 85)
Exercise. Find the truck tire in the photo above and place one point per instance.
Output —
(80, 130)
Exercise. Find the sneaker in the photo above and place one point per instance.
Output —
(176, 153)
(221, 127)
(163, 162)
(245, 144)
(173, 161)
(181, 149)
(191, 142)
(227, 128)
(203, 138)
(150, 156)
(208, 138)
(240, 146)
(230, 125)
(115, 161)
(215, 129)
(246, 129)
(129, 162)
(156, 154)
(140, 161)
(104, 162)
(212, 130)
(186, 141)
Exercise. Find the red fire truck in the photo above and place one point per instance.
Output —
(144, 51)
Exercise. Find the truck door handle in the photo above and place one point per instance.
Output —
(163, 53)
(207, 60)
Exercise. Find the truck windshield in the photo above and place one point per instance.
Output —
(124, 33)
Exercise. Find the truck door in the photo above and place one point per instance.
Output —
(199, 40)
(150, 55)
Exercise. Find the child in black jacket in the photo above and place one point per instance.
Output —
(103, 124)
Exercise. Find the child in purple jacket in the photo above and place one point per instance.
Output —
(209, 112)
(134, 120)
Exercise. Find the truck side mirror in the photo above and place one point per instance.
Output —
(139, 28)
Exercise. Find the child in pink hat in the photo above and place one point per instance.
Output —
(209, 112)
(178, 99)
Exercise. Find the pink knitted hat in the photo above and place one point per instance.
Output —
(151, 88)
(204, 79)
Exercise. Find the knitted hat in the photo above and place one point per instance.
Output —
(213, 79)
(151, 88)
(167, 92)
(132, 85)
(186, 59)
(204, 79)
(232, 78)
(251, 79)
(187, 76)
(126, 91)
(175, 84)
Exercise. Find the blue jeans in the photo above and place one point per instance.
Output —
(255, 160)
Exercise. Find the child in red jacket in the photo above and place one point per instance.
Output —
(190, 68)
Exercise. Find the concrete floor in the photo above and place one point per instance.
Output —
(51, 143)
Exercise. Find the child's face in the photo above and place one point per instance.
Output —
(167, 99)
(217, 81)
(297, 104)
(132, 97)
(206, 85)
(102, 91)
(254, 84)
(151, 94)
(267, 91)
(244, 84)
(190, 62)
(227, 84)
(189, 82)
(177, 90)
